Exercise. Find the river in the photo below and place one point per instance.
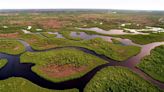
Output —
(16, 69)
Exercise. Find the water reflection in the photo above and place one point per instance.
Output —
(17, 69)
(85, 36)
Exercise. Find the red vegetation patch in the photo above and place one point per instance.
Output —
(51, 24)
(10, 35)
(58, 71)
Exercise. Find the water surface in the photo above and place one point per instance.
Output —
(16, 69)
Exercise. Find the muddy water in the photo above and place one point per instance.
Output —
(133, 61)
(17, 69)
(85, 36)
(112, 31)
(144, 52)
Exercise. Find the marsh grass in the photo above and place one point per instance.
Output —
(154, 63)
(144, 39)
(100, 46)
(62, 57)
(66, 34)
(48, 35)
(11, 46)
(3, 62)
(15, 84)
(119, 79)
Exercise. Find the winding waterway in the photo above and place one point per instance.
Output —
(16, 69)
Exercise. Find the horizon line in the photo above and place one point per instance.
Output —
(80, 9)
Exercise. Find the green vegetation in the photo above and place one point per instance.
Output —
(118, 79)
(154, 63)
(65, 64)
(11, 46)
(100, 46)
(38, 42)
(115, 41)
(48, 35)
(64, 22)
(145, 39)
(16, 84)
(9, 29)
(2, 63)
(66, 34)
(114, 51)
(66, 58)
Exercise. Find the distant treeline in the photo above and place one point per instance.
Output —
(78, 11)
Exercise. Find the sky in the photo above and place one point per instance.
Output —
(83, 4)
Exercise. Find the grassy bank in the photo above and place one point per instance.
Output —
(46, 34)
(62, 64)
(66, 34)
(16, 84)
(154, 63)
(100, 46)
(2, 63)
(11, 46)
(118, 79)
(145, 39)
(114, 51)
(38, 42)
